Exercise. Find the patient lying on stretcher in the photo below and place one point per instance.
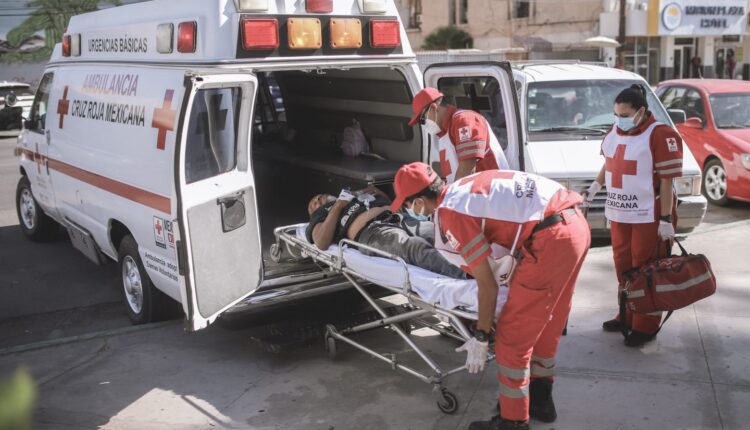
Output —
(364, 216)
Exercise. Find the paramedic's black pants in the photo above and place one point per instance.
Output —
(394, 239)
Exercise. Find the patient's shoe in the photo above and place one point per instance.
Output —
(498, 423)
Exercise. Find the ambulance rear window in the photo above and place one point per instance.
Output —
(212, 133)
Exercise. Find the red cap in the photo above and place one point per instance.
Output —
(422, 100)
(411, 179)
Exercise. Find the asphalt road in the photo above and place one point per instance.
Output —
(49, 290)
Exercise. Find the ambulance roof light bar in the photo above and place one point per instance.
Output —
(66, 45)
(187, 33)
(251, 5)
(385, 33)
(260, 33)
(319, 6)
(164, 38)
(75, 45)
(373, 6)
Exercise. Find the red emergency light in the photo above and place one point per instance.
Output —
(260, 34)
(385, 33)
(66, 45)
(319, 6)
(186, 36)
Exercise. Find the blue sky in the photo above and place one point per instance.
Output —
(12, 12)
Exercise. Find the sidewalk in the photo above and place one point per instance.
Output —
(695, 376)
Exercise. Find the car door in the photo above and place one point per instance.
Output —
(219, 247)
(488, 88)
(35, 142)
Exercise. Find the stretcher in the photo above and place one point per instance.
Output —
(428, 294)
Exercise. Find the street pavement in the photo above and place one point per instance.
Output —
(60, 318)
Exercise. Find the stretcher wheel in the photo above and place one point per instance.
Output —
(331, 347)
(448, 404)
(275, 252)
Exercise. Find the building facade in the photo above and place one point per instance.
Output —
(669, 39)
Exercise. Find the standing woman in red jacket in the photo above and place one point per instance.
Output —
(642, 157)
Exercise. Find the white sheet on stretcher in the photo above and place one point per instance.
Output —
(432, 287)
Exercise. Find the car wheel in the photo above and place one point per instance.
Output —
(715, 183)
(35, 224)
(142, 300)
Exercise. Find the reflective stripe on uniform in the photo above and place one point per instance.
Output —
(521, 374)
(514, 393)
(668, 162)
(476, 143)
(472, 243)
(636, 293)
(546, 362)
(662, 288)
(669, 171)
(537, 370)
(476, 254)
(471, 152)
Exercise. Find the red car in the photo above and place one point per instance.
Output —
(717, 130)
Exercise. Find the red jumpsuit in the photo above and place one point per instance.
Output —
(488, 207)
(634, 236)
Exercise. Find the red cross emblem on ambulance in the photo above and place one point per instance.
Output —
(163, 120)
(62, 106)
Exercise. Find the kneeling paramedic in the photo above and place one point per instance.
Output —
(503, 208)
(364, 217)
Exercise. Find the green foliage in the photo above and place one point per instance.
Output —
(51, 17)
(448, 38)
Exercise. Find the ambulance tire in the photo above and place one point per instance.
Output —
(35, 224)
(143, 302)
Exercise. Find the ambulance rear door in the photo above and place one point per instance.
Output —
(488, 88)
(219, 248)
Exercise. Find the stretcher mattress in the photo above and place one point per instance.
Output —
(433, 288)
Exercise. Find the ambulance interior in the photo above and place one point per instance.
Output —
(300, 119)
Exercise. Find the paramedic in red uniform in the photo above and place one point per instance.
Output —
(496, 207)
(642, 157)
(463, 139)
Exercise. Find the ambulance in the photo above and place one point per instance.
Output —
(173, 136)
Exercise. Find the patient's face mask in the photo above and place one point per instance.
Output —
(417, 216)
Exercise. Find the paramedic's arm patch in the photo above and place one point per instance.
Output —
(468, 133)
(464, 234)
(666, 147)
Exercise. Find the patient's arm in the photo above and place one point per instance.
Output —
(375, 191)
(487, 292)
(323, 232)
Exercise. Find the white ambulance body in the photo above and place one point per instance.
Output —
(173, 136)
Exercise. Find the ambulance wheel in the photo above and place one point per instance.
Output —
(35, 224)
(448, 404)
(715, 183)
(142, 299)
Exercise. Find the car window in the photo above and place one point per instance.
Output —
(672, 97)
(38, 115)
(731, 110)
(693, 105)
(577, 107)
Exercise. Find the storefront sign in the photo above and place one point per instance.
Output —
(702, 17)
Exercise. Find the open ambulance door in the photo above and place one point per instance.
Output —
(219, 247)
(487, 88)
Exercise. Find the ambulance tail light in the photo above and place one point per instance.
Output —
(304, 33)
(75, 45)
(346, 33)
(260, 34)
(186, 35)
(66, 45)
(251, 5)
(319, 6)
(385, 33)
(373, 6)
(164, 38)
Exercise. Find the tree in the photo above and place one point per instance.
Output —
(51, 17)
(448, 38)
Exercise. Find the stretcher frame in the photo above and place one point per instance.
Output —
(417, 309)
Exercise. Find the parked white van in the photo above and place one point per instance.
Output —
(173, 136)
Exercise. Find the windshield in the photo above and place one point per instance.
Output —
(18, 90)
(731, 110)
(582, 107)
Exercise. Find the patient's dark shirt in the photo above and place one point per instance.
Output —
(350, 212)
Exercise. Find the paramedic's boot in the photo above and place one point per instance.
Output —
(636, 339)
(498, 423)
(612, 325)
(541, 406)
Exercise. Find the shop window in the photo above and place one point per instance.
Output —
(521, 9)
(451, 12)
(463, 9)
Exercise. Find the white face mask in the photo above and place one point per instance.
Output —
(431, 127)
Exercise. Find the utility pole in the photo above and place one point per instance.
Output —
(621, 35)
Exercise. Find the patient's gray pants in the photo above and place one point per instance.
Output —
(394, 239)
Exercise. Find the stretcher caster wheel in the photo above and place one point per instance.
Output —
(331, 347)
(448, 404)
(275, 252)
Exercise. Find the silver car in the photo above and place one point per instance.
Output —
(11, 118)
